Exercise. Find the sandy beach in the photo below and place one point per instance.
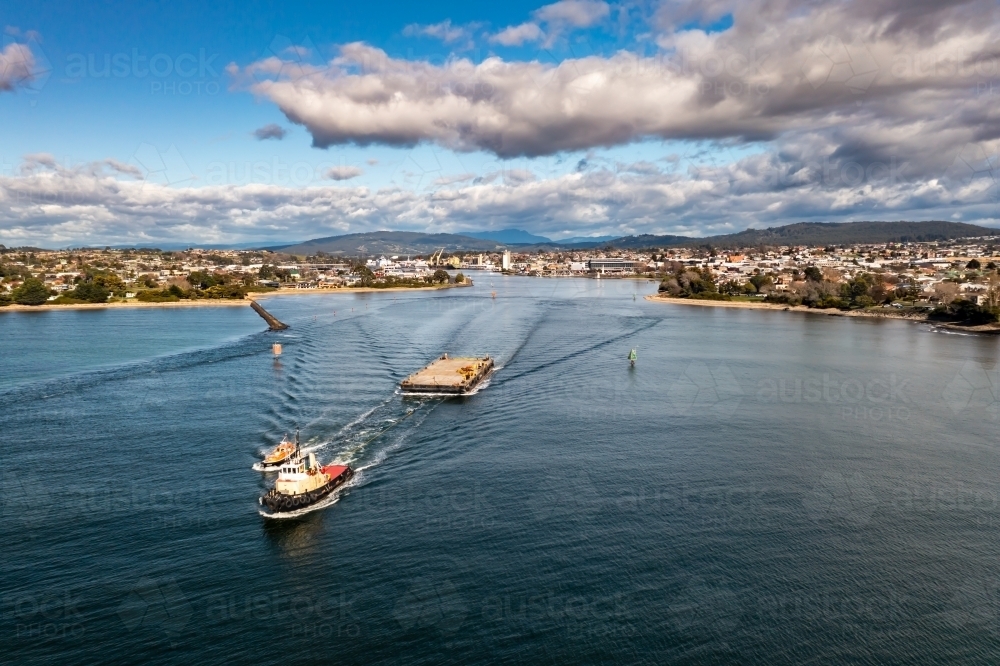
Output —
(886, 313)
(221, 302)
(743, 305)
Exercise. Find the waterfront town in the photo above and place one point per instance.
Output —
(916, 272)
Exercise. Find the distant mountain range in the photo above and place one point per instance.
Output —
(585, 239)
(804, 233)
(389, 243)
(509, 236)
(521, 237)
(415, 243)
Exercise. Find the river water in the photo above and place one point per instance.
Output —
(762, 487)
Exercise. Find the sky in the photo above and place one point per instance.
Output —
(238, 123)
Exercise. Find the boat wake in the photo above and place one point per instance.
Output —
(354, 439)
(946, 331)
(355, 445)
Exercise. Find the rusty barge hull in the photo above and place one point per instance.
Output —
(456, 375)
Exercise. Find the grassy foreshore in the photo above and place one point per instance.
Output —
(871, 313)
(220, 302)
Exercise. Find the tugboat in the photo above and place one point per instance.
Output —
(279, 454)
(302, 483)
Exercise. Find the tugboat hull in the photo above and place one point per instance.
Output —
(278, 502)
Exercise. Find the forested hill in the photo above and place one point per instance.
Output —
(820, 233)
(389, 243)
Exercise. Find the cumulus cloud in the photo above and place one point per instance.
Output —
(850, 83)
(17, 66)
(46, 162)
(270, 131)
(47, 204)
(343, 172)
(832, 111)
(559, 16)
(577, 13)
(444, 31)
(516, 35)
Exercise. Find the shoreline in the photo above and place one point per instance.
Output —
(983, 329)
(218, 302)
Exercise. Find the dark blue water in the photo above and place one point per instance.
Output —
(763, 487)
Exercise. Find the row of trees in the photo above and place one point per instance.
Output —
(98, 287)
(31, 292)
(368, 279)
(687, 282)
(94, 289)
(812, 288)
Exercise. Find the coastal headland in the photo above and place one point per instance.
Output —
(869, 313)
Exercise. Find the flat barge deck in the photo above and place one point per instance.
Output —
(455, 375)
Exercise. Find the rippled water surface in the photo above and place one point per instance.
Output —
(763, 487)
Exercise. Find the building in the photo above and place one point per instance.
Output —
(612, 265)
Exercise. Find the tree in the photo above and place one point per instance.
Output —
(222, 291)
(110, 282)
(32, 292)
(966, 312)
(441, 276)
(761, 281)
(973, 264)
(946, 291)
(907, 292)
(813, 274)
(881, 290)
(92, 292)
(688, 282)
(204, 280)
(993, 291)
(366, 275)
(459, 278)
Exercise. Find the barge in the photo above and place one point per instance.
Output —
(449, 375)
